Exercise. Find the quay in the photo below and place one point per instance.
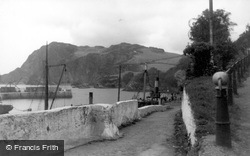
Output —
(34, 95)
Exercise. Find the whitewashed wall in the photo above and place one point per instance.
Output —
(187, 116)
(75, 125)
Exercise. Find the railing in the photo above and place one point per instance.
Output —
(235, 75)
(226, 85)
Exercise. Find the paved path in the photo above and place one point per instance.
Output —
(149, 137)
(243, 101)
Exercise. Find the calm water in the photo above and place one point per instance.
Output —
(80, 97)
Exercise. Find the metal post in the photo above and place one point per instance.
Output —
(234, 81)
(230, 88)
(223, 136)
(241, 69)
(248, 58)
(238, 72)
(145, 82)
(119, 82)
(157, 94)
(90, 97)
(244, 64)
(211, 28)
(46, 102)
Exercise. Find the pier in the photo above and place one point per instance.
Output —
(34, 95)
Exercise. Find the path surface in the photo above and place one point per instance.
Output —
(149, 137)
(243, 101)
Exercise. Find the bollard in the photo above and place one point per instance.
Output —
(223, 136)
(90, 97)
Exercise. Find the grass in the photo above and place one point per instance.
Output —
(202, 97)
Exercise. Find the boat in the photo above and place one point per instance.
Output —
(5, 109)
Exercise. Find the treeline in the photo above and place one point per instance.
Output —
(207, 58)
(167, 80)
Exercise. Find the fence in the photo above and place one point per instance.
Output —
(226, 85)
(235, 75)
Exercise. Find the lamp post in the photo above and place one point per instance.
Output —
(211, 28)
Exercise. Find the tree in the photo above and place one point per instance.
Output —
(222, 25)
(243, 42)
(223, 49)
(127, 77)
(200, 53)
(224, 53)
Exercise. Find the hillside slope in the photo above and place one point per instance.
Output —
(90, 66)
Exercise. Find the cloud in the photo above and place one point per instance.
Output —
(26, 25)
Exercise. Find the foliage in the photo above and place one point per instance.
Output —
(224, 52)
(181, 139)
(243, 42)
(222, 25)
(200, 51)
(127, 77)
(184, 63)
(200, 54)
(167, 79)
(202, 98)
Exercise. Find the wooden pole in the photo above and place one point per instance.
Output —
(46, 103)
(211, 28)
(145, 81)
(119, 82)
(90, 97)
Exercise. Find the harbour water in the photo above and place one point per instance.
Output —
(80, 97)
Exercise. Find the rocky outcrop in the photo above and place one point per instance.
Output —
(92, 66)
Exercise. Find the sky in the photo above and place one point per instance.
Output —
(26, 25)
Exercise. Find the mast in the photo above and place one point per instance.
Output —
(145, 81)
(119, 82)
(46, 103)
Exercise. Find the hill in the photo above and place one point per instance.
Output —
(90, 66)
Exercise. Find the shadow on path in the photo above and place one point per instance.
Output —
(149, 137)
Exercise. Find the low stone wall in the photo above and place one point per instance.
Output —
(76, 125)
(147, 110)
(125, 112)
(188, 118)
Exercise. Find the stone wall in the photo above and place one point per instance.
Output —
(188, 118)
(147, 110)
(76, 125)
(125, 112)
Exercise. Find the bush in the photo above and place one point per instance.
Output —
(200, 53)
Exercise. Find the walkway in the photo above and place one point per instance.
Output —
(243, 132)
(149, 137)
